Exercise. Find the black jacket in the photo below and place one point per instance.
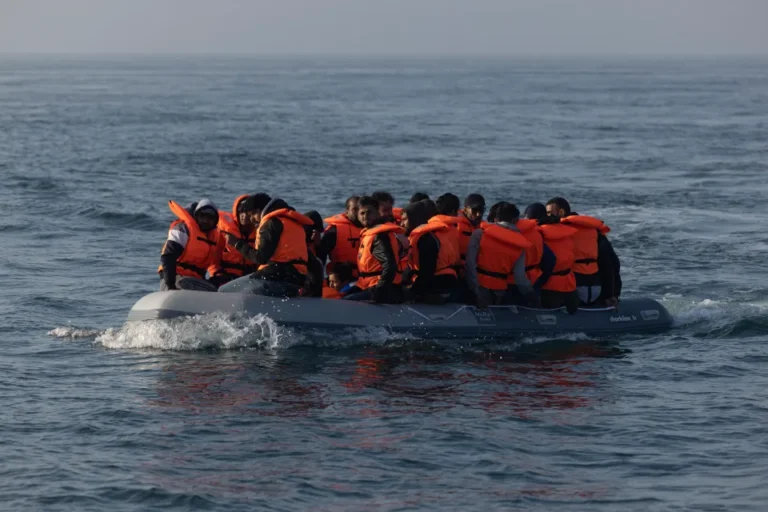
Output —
(269, 240)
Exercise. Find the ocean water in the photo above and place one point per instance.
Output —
(218, 413)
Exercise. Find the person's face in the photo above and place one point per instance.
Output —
(206, 220)
(243, 218)
(334, 282)
(255, 217)
(352, 210)
(367, 216)
(475, 215)
(554, 211)
(385, 210)
(316, 235)
(405, 223)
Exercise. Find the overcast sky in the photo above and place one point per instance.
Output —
(390, 27)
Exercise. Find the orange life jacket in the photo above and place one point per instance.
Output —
(448, 251)
(585, 242)
(292, 247)
(397, 213)
(500, 248)
(203, 250)
(452, 237)
(530, 230)
(559, 238)
(347, 240)
(232, 262)
(330, 293)
(465, 229)
(368, 267)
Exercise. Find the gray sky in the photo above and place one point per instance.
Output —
(394, 27)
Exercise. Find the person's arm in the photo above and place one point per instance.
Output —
(384, 253)
(269, 238)
(521, 279)
(327, 244)
(428, 247)
(470, 266)
(609, 268)
(547, 266)
(178, 236)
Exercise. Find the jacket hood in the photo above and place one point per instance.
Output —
(275, 204)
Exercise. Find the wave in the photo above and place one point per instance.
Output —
(719, 319)
(135, 220)
(70, 332)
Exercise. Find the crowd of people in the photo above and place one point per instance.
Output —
(432, 252)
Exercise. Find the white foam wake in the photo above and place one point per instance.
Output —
(214, 331)
(70, 332)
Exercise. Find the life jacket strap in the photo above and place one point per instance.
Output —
(586, 261)
(209, 242)
(193, 268)
(562, 272)
(497, 275)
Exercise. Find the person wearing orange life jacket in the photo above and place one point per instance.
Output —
(470, 219)
(433, 256)
(559, 290)
(378, 263)
(233, 264)
(341, 239)
(281, 252)
(541, 261)
(496, 259)
(193, 245)
(596, 267)
(315, 277)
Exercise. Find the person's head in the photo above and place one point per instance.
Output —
(386, 202)
(492, 211)
(474, 208)
(558, 207)
(448, 204)
(242, 216)
(340, 275)
(315, 231)
(253, 206)
(418, 196)
(414, 215)
(429, 207)
(536, 211)
(507, 212)
(368, 211)
(351, 207)
(206, 215)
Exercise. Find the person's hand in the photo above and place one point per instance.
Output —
(232, 240)
(612, 302)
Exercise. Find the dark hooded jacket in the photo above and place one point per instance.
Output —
(269, 240)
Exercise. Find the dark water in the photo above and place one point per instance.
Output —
(236, 414)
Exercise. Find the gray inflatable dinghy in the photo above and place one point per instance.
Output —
(638, 315)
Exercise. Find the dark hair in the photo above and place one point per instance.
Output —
(351, 199)
(448, 204)
(474, 202)
(561, 203)
(255, 202)
(493, 211)
(429, 208)
(418, 196)
(536, 211)
(345, 271)
(507, 212)
(316, 219)
(366, 201)
(383, 197)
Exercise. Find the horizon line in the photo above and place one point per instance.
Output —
(374, 55)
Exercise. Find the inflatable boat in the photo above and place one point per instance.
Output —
(636, 315)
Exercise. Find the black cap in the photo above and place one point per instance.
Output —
(536, 211)
(254, 202)
(474, 202)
